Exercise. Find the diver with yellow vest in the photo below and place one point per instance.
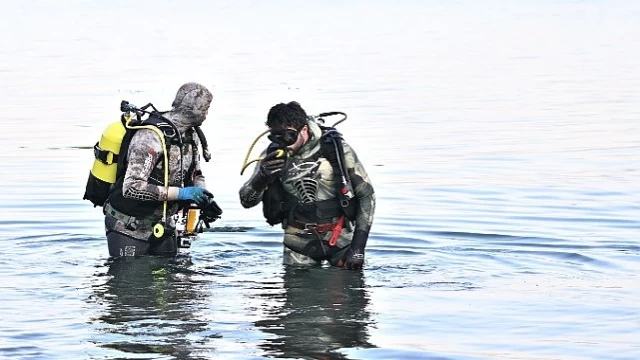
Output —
(158, 174)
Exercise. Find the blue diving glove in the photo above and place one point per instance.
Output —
(196, 194)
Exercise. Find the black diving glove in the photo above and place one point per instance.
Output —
(354, 258)
(210, 213)
(269, 169)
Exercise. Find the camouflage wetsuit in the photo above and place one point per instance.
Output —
(143, 181)
(309, 177)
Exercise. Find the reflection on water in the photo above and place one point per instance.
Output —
(322, 311)
(503, 140)
(151, 306)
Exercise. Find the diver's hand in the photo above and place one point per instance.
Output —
(210, 213)
(272, 165)
(269, 169)
(354, 258)
(196, 194)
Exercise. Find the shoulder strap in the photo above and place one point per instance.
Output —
(168, 129)
(332, 148)
(194, 151)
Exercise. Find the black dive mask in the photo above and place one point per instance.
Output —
(285, 137)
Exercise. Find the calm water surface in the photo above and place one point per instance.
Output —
(503, 140)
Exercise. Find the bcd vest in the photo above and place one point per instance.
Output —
(278, 206)
(107, 175)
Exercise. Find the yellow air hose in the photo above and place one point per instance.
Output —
(279, 153)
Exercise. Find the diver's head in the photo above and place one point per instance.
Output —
(288, 125)
(194, 100)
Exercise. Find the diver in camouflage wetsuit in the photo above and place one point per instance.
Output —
(136, 204)
(314, 215)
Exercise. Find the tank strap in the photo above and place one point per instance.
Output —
(104, 156)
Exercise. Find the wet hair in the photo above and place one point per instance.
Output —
(286, 115)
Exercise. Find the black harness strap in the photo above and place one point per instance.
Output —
(169, 130)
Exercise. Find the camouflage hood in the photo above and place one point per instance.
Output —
(190, 107)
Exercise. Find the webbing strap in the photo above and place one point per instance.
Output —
(124, 218)
(103, 155)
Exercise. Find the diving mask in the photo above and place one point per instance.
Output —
(284, 137)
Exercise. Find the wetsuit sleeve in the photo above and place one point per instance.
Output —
(362, 188)
(249, 196)
(198, 177)
(144, 153)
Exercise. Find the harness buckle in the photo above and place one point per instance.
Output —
(132, 224)
(311, 226)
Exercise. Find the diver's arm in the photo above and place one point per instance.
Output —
(252, 190)
(362, 188)
(354, 257)
(267, 170)
(144, 153)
